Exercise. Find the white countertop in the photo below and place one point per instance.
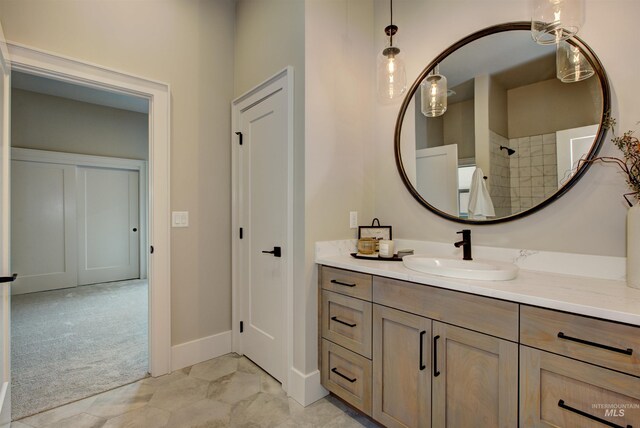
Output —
(601, 298)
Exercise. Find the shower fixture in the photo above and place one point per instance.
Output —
(509, 150)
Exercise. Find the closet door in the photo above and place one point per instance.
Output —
(108, 229)
(43, 226)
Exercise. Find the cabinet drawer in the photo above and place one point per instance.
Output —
(491, 316)
(346, 282)
(347, 322)
(347, 374)
(605, 343)
(556, 391)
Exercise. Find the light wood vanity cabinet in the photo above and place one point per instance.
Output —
(584, 372)
(475, 379)
(401, 368)
(345, 330)
(557, 391)
(433, 357)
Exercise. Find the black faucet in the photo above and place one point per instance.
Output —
(465, 244)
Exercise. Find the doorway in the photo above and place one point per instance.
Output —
(80, 303)
(31, 61)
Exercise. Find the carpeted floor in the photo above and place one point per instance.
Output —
(72, 343)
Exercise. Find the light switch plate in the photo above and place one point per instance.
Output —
(180, 219)
(353, 219)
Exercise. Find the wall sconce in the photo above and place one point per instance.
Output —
(571, 64)
(555, 20)
(392, 77)
(433, 91)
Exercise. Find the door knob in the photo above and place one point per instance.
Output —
(277, 252)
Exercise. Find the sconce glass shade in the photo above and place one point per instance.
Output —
(392, 77)
(571, 65)
(433, 91)
(555, 20)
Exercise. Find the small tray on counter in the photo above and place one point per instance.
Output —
(377, 257)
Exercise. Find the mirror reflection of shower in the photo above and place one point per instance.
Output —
(509, 150)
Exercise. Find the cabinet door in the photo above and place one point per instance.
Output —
(475, 379)
(556, 391)
(402, 371)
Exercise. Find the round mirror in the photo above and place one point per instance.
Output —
(494, 128)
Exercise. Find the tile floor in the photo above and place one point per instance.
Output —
(229, 391)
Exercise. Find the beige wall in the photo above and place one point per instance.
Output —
(548, 106)
(45, 122)
(459, 129)
(339, 138)
(590, 219)
(498, 118)
(188, 44)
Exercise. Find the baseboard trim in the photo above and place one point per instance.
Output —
(305, 388)
(199, 350)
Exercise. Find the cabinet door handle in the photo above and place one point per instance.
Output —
(422, 365)
(436, 372)
(335, 370)
(342, 322)
(587, 415)
(335, 281)
(627, 351)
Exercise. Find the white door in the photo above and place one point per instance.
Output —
(5, 267)
(437, 177)
(108, 229)
(43, 210)
(263, 171)
(571, 146)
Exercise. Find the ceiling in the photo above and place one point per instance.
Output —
(58, 88)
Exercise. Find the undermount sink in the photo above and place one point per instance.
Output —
(486, 270)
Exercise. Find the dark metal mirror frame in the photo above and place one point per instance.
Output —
(595, 148)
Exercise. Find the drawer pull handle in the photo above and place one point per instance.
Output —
(335, 370)
(422, 365)
(342, 322)
(436, 372)
(346, 284)
(627, 351)
(587, 415)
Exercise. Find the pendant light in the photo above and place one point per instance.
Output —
(392, 77)
(556, 20)
(433, 91)
(571, 64)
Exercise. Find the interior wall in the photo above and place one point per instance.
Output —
(189, 45)
(46, 122)
(339, 133)
(590, 218)
(549, 106)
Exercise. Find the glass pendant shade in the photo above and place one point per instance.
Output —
(571, 65)
(556, 20)
(392, 77)
(433, 91)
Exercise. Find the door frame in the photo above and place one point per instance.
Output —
(44, 64)
(281, 80)
(80, 160)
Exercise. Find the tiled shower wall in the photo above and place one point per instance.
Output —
(533, 170)
(527, 177)
(500, 175)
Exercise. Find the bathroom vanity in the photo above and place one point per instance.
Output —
(417, 350)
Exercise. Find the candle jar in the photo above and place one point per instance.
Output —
(367, 245)
(386, 248)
